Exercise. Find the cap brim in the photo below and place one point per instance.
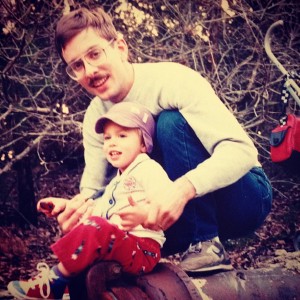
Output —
(116, 118)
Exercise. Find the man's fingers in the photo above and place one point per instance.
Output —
(165, 224)
(151, 221)
(89, 210)
(73, 219)
(159, 220)
(66, 221)
(71, 215)
(168, 219)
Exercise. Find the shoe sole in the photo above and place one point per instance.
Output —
(16, 294)
(220, 267)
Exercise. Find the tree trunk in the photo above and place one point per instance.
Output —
(27, 205)
(167, 282)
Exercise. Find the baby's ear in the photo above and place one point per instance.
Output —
(143, 148)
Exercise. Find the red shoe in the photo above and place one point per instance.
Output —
(44, 286)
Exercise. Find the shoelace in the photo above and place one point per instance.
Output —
(192, 249)
(43, 279)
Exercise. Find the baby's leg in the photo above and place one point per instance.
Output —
(97, 239)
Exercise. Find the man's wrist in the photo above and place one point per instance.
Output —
(186, 188)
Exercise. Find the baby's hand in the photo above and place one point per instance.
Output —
(51, 206)
(133, 215)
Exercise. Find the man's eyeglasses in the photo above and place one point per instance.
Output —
(93, 57)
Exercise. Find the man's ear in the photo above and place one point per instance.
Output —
(122, 46)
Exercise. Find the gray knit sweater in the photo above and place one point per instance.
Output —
(167, 85)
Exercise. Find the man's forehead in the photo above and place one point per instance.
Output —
(81, 43)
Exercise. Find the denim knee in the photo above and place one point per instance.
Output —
(168, 123)
(179, 147)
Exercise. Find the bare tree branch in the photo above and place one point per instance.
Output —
(225, 45)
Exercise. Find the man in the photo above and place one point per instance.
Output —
(219, 189)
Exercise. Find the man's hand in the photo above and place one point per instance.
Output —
(76, 210)
(51, 206)
(166, 209)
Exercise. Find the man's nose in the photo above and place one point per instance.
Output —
(89, 69)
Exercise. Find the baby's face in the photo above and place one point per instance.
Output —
(122, 144)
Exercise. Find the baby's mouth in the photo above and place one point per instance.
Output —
(114, 154)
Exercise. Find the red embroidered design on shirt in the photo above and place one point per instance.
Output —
(129, 183)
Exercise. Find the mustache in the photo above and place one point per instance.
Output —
(96, 79)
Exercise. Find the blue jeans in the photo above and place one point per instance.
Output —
(230, 212)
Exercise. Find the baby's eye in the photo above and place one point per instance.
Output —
(106, 137)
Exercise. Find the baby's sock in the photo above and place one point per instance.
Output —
(59, 283)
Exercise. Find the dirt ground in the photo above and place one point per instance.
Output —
(276, 243)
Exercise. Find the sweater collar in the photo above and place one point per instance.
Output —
(139, 159)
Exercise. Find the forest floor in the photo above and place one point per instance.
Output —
(275, 243)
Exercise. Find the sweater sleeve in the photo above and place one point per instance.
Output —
(232, 152)
(95, 170)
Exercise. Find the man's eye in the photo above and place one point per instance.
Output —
(77, 65)
(95, 54)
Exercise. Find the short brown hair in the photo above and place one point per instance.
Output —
(73, 23)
